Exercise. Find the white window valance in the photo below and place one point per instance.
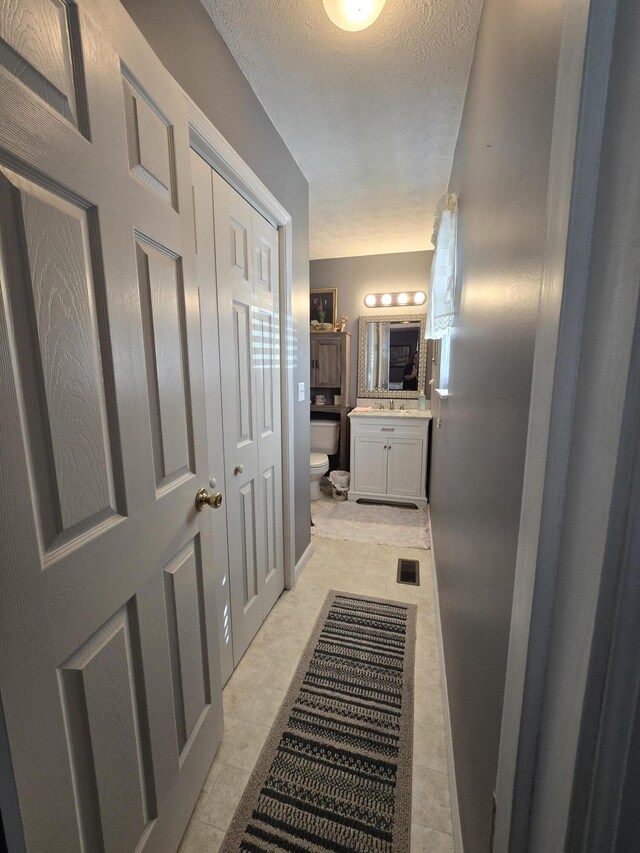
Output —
(441, 303)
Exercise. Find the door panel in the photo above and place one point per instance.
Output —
(187, 629)
(370, 464)
(162, 308)
(266, 336)
(270, 521)
(106, 725)
(404, 466)
(38, 39)
(202, 187)
(109, 672)
(238, 274)
(313, 352)
(234, 271)
(248, 539)
(241, 360)
(328, 372)
(58, 309)
(239, 242)
(149, 140)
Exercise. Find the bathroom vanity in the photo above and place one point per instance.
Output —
(389, 451)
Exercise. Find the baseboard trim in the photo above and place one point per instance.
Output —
(453, 788)
(302, 562)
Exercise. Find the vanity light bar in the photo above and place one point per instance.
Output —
(395, 300)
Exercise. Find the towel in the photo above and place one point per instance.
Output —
(363, 409)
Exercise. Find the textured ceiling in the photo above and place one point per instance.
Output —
(371, 117)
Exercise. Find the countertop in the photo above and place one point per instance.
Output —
(405, 415)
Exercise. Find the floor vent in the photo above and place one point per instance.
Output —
(409, 572)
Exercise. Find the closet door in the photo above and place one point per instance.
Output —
(247, 273)
(202, 185)
(266, 337)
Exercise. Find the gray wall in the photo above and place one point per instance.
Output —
(355, 277)
(184, 37)
(500, 172)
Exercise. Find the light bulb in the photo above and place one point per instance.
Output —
(386, 299)
(370, 301)
(402, 299)
(353, 15)
(419, 297)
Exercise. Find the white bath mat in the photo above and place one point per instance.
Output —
(384, 525)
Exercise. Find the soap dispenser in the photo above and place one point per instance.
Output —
(422, 401)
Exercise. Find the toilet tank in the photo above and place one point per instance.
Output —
(324, 437)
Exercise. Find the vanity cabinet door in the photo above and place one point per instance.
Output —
(369, 467)
(327, 355)
(405, 467)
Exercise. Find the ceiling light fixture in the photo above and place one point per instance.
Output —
(395, 300)
(353, 15)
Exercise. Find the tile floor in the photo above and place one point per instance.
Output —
(254, 692)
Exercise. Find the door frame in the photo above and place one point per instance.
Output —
(207, 141)
(554, 624)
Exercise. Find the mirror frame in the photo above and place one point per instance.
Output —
(362, 355)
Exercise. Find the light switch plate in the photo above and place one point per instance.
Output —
(301, 392)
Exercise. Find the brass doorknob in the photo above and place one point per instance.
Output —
(203, 499)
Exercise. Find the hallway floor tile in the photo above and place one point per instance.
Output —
(253, 695)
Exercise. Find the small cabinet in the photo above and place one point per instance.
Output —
(369, 459)
(389, 457)
(326, 361)
(329, 378)
(405, 477)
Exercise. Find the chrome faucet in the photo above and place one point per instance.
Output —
(391, 405)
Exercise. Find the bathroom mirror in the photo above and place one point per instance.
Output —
(387, 347)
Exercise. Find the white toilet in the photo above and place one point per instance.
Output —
(324, 442)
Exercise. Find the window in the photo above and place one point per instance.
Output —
(441, 305)
(445, 351)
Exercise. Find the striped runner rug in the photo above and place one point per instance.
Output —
(335, 772)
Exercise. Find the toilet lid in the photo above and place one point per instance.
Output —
(319, 459)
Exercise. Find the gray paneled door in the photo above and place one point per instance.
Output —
(201, 176)
(109, 664)
(240, 316)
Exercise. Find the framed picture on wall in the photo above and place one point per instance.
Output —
(399, 355)
(323, 308)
